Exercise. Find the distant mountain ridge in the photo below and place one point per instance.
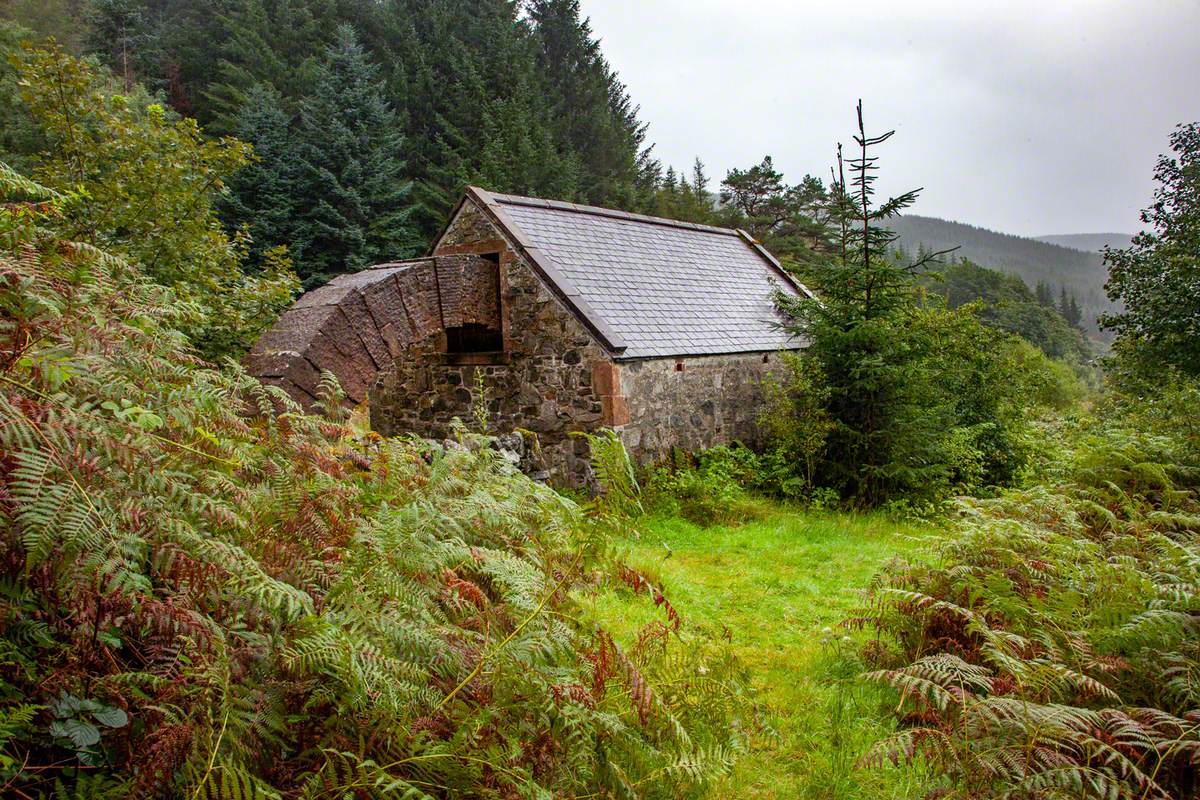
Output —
(1088, 242)
(1081, 272)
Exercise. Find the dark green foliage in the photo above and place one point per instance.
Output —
(1157, 279)
(206, 593)
(689, 199)
(1068, 306)
(482, 91)
(263, 197)
(478, 106)
(280, 44)
(921, 400)
(353, 204)
(1045, 296)
(168, 46)
(591, 111)
(792, 221)
(1005, 302)
(1049, 649)
(20, 138)
(936, 403)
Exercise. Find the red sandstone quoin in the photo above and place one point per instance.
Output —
(579, 318)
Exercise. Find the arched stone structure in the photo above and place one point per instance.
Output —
(357, 325)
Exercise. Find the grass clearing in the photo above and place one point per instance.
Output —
(780, 585)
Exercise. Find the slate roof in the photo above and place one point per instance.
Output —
(651, 287)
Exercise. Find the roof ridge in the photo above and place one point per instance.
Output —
(749, 323)
(614, 213)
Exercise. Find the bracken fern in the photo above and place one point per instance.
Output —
(280, 608)
(1050, 648)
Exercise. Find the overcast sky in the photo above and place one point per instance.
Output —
(1025, 117)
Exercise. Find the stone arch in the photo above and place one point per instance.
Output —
(359, 324)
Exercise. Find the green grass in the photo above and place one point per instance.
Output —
(781, 585)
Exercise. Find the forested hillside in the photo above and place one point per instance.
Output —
(1082, 274)
(1006, 303)
(1088, 242)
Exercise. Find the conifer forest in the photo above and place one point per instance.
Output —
(961, 558)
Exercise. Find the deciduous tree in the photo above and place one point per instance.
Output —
(149, 182)
(1157, 277)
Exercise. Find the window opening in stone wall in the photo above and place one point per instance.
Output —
(473, 338)
(495, 259)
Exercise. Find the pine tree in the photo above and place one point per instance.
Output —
(883, 398)
(520, 154)
(1045, 295)
(759, 195)
(594, 117)
(677, 196)
(475, 107)
(263, 196)
(700, 182)
(791, 220)
(278, 43)
(357, 198)
(1074, 314)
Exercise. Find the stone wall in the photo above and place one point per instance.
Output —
(692, 402)
(543, 380)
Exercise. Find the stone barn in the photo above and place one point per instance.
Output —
(578, 318)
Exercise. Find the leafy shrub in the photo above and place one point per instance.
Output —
(796, 422)
(708, 488)
(1050, 649)
(951, 407)
(148, 181)
(206, 593)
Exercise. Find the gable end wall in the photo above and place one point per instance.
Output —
(545, 383)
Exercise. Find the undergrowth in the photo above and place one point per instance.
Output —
(1052, 649)
(206, 593)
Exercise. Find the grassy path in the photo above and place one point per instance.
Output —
(782, 585)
